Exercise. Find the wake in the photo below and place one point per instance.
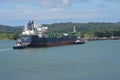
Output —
(7, 49)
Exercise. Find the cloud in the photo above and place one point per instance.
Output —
(54, 9)
(17, 0)
(102, 6)
(54, 3)
(65, 1)
(42, 2)
(12, 0)
(49, 10)
(46, 3)
(49, 3)
(84, 1)
(112, 0)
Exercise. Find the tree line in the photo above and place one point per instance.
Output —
(83, 29)
(10, 32)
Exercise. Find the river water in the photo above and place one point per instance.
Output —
(95, 60)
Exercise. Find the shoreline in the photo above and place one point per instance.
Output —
(89, 38)
(101, 38)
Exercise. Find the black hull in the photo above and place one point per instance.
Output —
(19, 47)
(35, 41)
(50, 44)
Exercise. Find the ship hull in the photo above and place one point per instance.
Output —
(50, 44)
(35, 41)
(37, 36)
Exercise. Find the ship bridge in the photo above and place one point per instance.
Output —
(32, 29)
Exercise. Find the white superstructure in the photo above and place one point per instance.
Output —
(32, 29)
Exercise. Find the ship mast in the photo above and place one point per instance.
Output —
(74, 29)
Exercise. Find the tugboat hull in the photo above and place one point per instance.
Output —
(79, 41)
(19, 47)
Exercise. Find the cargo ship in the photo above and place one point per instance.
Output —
(37, 36)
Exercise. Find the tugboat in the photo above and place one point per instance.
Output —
(37, 36)
(19, 45)
(79, 41)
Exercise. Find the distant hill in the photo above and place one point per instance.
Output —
(10, 29)
(66, 27)
(89, 29)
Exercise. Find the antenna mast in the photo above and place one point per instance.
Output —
(74, 28)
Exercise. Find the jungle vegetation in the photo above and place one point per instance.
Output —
(90, 29)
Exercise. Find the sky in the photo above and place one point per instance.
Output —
(19, 12)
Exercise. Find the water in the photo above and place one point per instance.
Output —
(95, 60)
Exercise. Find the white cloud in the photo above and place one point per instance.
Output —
(81, 1)
(46, 3)
(12, 0)
(54, 3)
(55, 9)
(65, 1)
(17, 0)
(112, 0)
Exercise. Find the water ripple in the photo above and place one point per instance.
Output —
(6, 49)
